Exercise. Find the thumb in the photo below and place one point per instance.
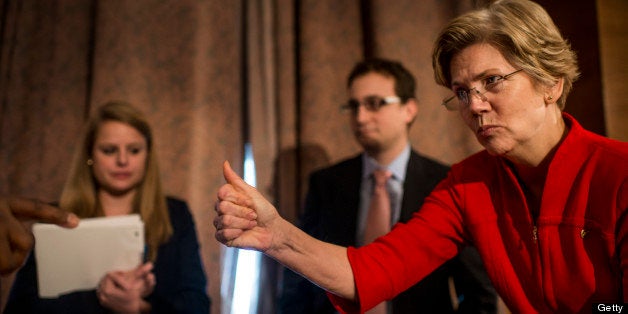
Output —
(234, 179)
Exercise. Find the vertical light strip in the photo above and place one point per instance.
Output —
(246, 288)
(227, 278)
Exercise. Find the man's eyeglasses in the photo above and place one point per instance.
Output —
(371, 103)
(493, 84)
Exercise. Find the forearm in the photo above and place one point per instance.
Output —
(325, 264)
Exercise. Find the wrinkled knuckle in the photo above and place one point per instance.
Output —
(217, 223)
(221, 193)
(221, 207)
(226, 221)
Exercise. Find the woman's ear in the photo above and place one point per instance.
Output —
(554, 92)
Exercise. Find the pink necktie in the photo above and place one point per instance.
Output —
(378, 219)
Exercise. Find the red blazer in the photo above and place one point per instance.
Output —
(574, 254)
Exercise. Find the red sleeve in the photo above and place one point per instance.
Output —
(343, 305)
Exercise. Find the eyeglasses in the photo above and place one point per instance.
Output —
(493, 84)
(371, 103)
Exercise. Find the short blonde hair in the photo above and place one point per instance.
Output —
(522, 31)
(79, 191)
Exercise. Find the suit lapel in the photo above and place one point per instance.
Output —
(412, 197)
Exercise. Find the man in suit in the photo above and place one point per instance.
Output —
(381, 108)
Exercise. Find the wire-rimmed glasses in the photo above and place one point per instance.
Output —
(370, 103)
(492, 83)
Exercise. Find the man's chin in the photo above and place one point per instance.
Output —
(369, 145)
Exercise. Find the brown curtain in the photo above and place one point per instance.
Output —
(213, 74)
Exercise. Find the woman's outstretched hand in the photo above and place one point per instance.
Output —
(244, 219)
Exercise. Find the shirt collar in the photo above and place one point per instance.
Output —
(398, 166)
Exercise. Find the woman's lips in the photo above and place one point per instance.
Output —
(486, 130)
(121, 175)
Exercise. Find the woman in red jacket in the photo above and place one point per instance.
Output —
(545, 203)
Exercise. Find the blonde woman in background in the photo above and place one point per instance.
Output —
(115, 172)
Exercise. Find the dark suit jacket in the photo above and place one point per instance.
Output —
(331, 215)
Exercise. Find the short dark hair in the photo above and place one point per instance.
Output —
(405, 84)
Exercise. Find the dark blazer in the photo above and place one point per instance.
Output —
(331, 214)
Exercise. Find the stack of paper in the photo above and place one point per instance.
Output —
(76, 259)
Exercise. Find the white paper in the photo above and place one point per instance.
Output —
(76, 259)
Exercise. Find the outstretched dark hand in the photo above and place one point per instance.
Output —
(16, 240)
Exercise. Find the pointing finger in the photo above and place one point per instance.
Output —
(33, 209)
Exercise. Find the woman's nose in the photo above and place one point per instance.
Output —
(477, 104)
(123, 158)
